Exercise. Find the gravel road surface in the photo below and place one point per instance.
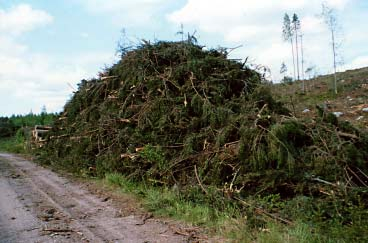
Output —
(38, 205)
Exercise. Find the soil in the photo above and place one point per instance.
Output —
(38, 205)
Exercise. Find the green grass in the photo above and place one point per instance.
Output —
(168, 202)
(12, 145)
(228, 223)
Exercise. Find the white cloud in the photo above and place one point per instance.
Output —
(84, 35)
(243, 33)
(8, 46)
(29, 80)
(358, 62)
(312, 24)
(118, 5)
(43, 80)
(22, 18)
(126, 12)
(339, 4)
(257, 25)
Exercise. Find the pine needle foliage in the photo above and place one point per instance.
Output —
(172, 113)
(183, 105)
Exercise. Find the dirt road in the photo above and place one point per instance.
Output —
(37, 205)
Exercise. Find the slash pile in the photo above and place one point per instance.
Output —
(168, 108)
(172, 113)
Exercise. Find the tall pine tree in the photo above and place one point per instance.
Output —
(287, 35)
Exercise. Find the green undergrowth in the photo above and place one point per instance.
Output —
(165, 201)
(12, 145)
(236, 223)
(16, 131)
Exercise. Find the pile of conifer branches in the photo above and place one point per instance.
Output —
(174, 113)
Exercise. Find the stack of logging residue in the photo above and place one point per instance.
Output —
(172, 113)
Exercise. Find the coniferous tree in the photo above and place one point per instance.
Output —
(296, 27)
(330, 19)
(287, 35)
(283, 68)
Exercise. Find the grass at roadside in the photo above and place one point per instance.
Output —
(12, 145)
(168, 202)
(229, 222)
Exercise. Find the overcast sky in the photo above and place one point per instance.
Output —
(47, 47)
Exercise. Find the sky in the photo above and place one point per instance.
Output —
(47, 47)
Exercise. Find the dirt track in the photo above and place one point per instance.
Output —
(37, 205)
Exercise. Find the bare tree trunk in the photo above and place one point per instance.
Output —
(292, 50)
(334, 60)
(297, 53)
(301, 48)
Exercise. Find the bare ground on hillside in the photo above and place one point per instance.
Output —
(37, 205)
(349, 102)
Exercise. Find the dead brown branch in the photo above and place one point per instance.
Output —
(109, 77)
(259, 210)
(58, 230)
(199, 181)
